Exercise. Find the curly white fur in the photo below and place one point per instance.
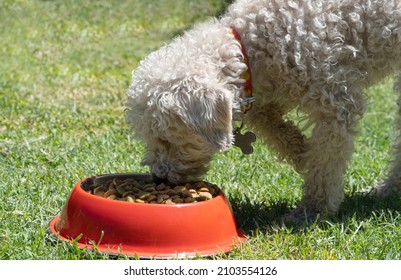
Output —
(316, 56)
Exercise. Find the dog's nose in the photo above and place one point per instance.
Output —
(157, 180)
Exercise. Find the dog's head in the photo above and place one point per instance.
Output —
(182, 99)
(182, 119)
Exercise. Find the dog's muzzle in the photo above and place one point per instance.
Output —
(157, 180)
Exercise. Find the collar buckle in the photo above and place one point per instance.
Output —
(246, 103)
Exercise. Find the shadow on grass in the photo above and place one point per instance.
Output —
(255, 215)
(251, 215)
(362, 207)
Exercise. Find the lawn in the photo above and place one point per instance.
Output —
(64, 70)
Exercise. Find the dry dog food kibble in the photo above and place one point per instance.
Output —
(134, 191)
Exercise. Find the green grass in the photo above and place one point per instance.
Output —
(65, 67)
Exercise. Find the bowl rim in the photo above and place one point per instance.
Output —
(105, 200)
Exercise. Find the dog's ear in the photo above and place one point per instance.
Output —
(207, 110)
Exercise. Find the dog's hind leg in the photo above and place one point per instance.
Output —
(393, 182)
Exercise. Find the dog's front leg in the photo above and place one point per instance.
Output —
(283, 136)
(333, 111)
(330, 148)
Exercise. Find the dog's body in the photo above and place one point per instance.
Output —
(315, 56)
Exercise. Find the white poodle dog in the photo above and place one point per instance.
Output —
(313, 56)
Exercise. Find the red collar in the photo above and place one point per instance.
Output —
(248, 99)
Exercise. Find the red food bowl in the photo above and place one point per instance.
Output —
(146, 230)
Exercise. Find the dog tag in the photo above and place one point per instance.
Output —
(243, 141)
